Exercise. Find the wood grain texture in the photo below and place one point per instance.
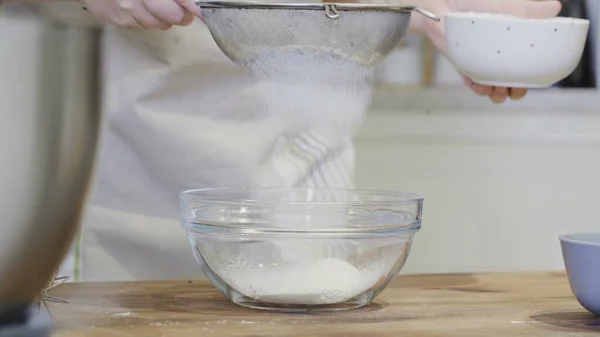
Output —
(539, 304)
(429, 55)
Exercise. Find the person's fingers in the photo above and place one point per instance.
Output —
(540, 9)
(498, 99)
(188, 19)
(149, 21)
(168, 11)
(124, 20)
(479, 89)
(476, 89)
(483, 90)
(499, 94)
(191, 7)
(496, 94)
(138, 24)
(130, 23)
(500, 91)
(517, 93)
(467, 81)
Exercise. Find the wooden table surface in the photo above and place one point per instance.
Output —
(462, 305)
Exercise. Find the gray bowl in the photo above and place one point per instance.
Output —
(581, 253)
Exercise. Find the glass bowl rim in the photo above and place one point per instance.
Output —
(396, 198)
(205, 197)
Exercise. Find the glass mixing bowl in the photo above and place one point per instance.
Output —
(300, 249)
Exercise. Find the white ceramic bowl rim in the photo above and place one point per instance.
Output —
(505, 17)
(589, 239)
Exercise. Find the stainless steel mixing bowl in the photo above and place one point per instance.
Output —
(49, 126)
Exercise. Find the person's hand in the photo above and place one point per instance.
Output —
(149, 14)
(540, 9)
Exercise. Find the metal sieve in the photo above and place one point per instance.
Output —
(248, 32)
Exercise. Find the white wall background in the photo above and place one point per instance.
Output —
(500, 185)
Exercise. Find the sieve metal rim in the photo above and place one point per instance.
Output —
(305, 6)
(331, 9)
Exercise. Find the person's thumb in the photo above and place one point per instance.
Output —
(527, 9)
(190, 6)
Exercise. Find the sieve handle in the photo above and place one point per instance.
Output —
(427, 14)
(331, 12)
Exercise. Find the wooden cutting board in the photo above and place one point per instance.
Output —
(538, 304)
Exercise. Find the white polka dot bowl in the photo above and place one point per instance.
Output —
(502, 50)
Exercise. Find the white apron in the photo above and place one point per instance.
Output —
(179, 115)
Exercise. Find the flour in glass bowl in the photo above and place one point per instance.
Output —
(321, 282)
(309, 87)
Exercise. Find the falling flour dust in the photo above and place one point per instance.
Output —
(313, 87)
(309, 87)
